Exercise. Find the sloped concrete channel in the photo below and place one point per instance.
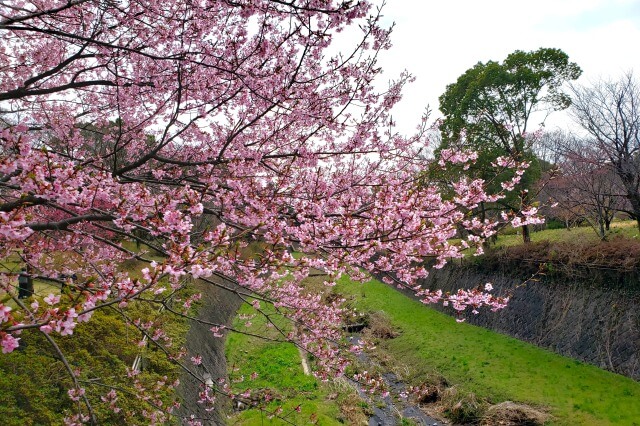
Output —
(389, 410)
(592, 319)
(218, 306)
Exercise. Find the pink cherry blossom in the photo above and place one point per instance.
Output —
(9, 343)
(203, 131)
(51, 299)
(5, 313)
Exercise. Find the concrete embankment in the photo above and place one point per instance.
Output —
(217, 306)
(582, 318)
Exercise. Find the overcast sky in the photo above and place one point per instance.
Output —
(438, 41)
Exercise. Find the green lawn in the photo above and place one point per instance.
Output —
(497, 367)
(626, 229)
(279, 369)
(41, 288)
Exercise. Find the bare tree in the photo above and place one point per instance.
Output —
(589, 191)
(583, 185)
(549, 146)
(610, 112)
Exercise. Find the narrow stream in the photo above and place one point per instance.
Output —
(389, 410)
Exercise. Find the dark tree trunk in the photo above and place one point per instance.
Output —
(526, 235)
(635, 205)
(603, 235)
(632, 195)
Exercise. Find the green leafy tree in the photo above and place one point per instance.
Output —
(489, 109)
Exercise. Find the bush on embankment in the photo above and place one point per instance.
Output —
(614, 263)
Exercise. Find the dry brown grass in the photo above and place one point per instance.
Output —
(379, 326)
(620, 255)
(353, 410)
(461, 407)
(430, 392)
(512, 414)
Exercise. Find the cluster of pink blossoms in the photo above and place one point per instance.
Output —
(203, 132)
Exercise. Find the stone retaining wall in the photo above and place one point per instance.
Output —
(579, 319)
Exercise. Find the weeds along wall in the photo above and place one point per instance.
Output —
(594, 318)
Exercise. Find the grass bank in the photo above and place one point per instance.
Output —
(619, 229)
(496, 367)
(301, 399)
(34, 381)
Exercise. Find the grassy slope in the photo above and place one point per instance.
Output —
(491, 365)
(279, 368)
(33, 382)
(497, 367)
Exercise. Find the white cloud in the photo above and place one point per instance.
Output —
(438, 41)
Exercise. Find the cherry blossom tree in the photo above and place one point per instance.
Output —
(203, 130)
